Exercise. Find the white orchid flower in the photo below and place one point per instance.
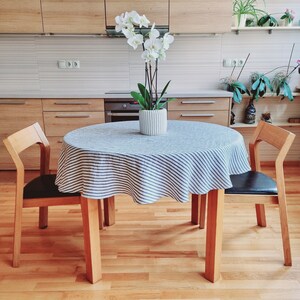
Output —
(129, 33)
(167, 40)
(150, 55)
(120, 22)
(144, 22)
(153, 33)
(135, 40)
(134, 17)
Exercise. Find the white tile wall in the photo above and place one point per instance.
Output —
(29, 63)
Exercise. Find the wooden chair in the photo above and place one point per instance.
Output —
(40, 192)
(256, 187)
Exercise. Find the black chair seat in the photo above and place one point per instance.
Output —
(44, 187)
(254, 183)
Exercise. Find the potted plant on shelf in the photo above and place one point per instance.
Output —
(236, 87)
(153, 115)
(260, 83)
(288, 17)
(267, 20)
(242, 9)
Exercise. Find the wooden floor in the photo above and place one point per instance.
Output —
(152, 252)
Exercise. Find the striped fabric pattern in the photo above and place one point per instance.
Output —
(108, 159)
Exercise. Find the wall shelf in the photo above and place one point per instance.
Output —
(264, 28)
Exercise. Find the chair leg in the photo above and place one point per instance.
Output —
(285, 231)
(101, 225)
(109, 211)
(17, 234)
(260, 215)
(202, 211)
(43, 217)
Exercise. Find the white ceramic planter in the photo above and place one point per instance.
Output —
(153, 122)
(242, 21)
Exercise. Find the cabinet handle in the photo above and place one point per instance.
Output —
(197, 115)
(198, 102)
(72, 116)
(123, 114)
(71, 103)
(13, 102)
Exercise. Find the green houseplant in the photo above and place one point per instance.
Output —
(288, 17)
(237, 88)
(244, 8)
(154, 49)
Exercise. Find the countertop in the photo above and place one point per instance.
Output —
(116, 95)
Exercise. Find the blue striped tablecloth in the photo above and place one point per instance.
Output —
(103, 160)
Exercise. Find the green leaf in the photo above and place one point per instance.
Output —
(144, 92)
(140, 99)
(165, 89)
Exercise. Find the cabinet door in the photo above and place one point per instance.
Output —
(156, 11)
(73, 16)
(15, 115)
(200, 16)
(20, 16)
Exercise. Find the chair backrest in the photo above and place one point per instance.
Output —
(273, 135)
(25, 138)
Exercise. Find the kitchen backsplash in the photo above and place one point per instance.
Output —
(28, 64)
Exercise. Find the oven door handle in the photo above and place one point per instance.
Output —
(122, 114)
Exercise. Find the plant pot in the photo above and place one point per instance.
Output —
(250, 113)
(286, 23)
(153, 122)
(242, 22)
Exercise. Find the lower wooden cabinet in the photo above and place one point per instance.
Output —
(15, 115)
(211, 110)
(56, 117)
(64, 115)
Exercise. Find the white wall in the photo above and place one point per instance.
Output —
(28, 64)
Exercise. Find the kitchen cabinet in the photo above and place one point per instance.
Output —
(15, 115)
(156, 11)
(18, 16)
(73, 16)
(64, 115)
(211, 110)
(200, 16)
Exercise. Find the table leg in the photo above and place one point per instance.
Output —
(214, 234)
(89, 209)
(109, 211)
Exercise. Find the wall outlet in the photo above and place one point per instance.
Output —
(233, 62)
(68, 64)
(76, 64)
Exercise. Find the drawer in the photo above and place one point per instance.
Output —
(19, 113)
(217, 117)
(199, 104)
(59, 123)
(73, 104)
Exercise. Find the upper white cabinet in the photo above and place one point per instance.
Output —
(20, 16)
(73, 16)
(156, 11)
(200, 16)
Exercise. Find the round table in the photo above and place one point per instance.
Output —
(108, 159)
(103, 160)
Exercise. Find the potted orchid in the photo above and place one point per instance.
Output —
(288, 17)
(154, 49)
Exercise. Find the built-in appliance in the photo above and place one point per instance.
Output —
(120, 106)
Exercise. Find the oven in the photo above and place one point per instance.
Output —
(121, 110)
